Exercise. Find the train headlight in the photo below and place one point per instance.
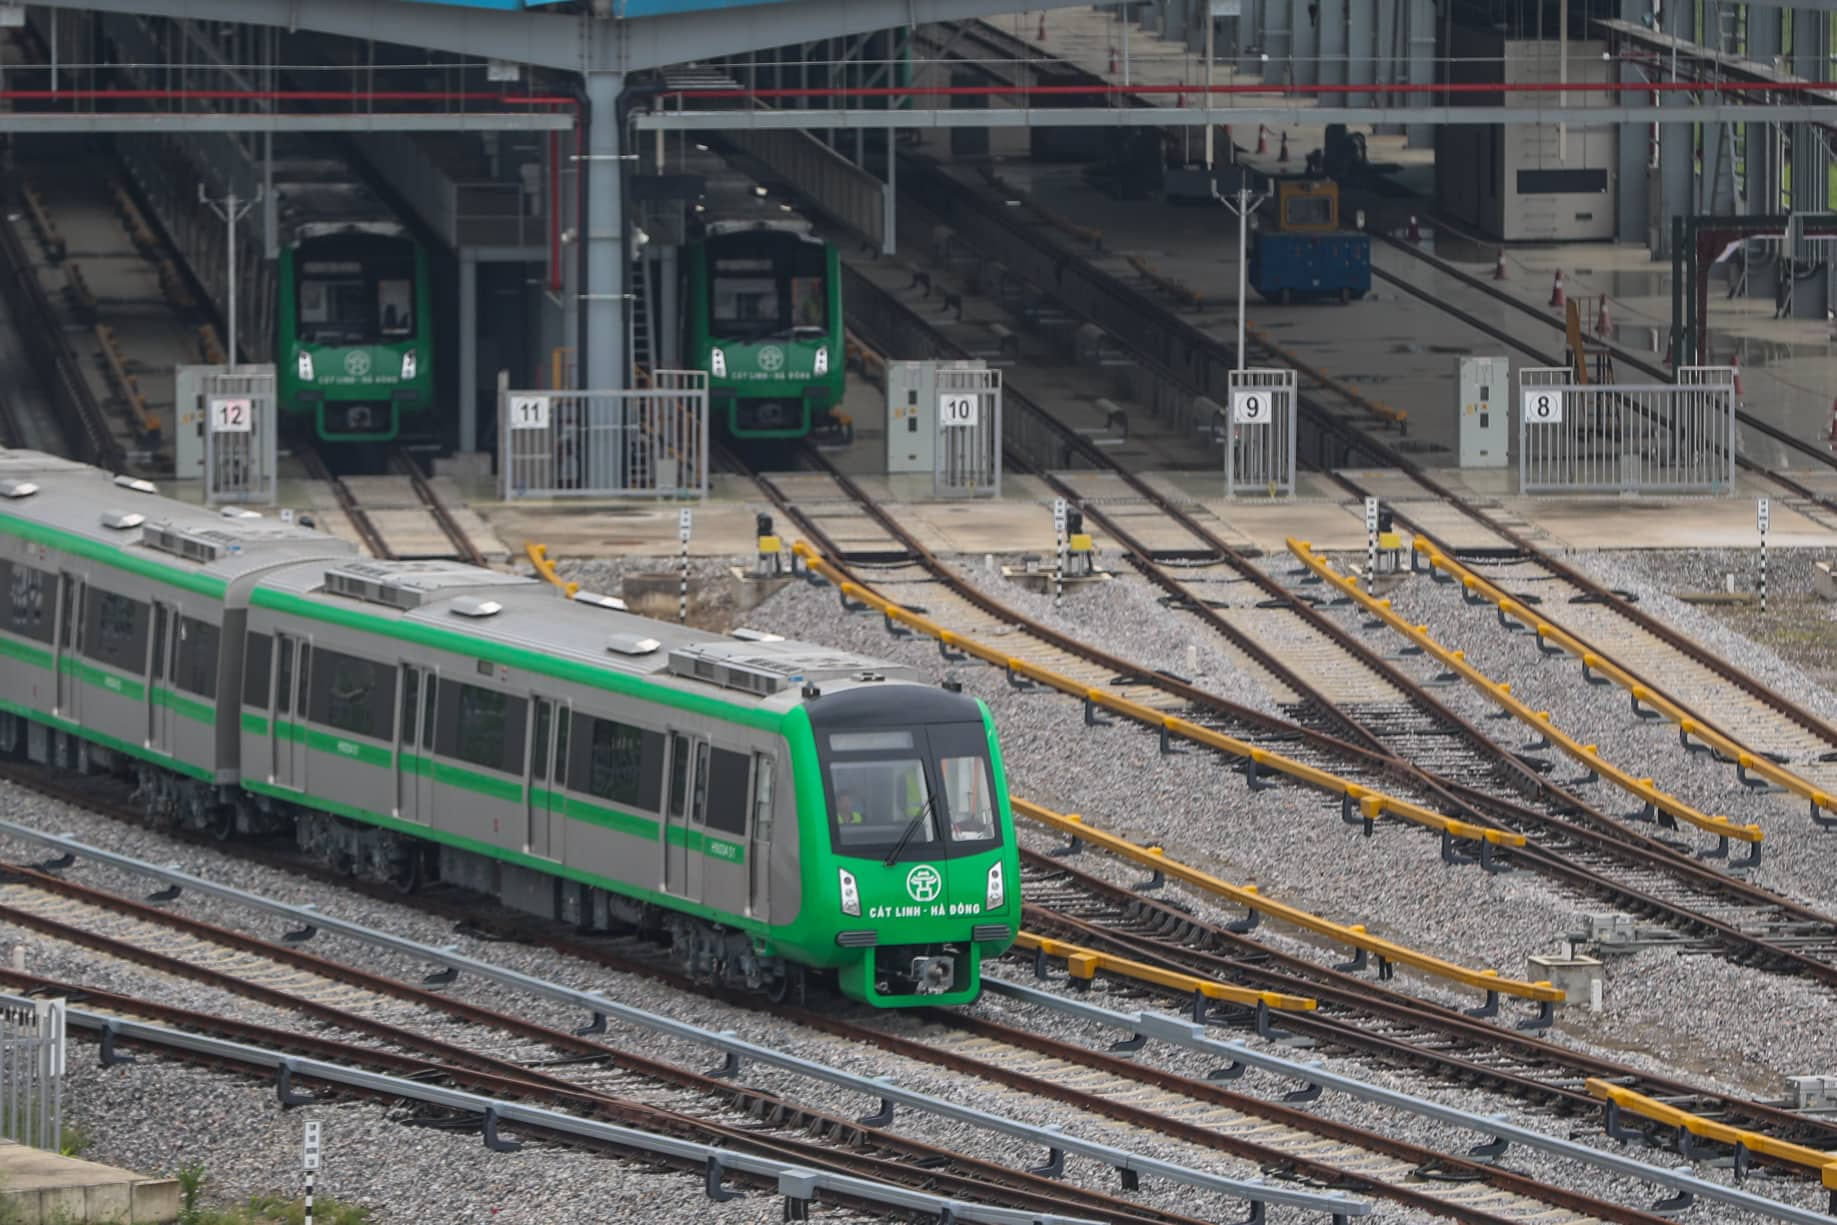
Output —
(822, 361)
(305, 365)
(997, 895)
(408, 364)
(717, 363)
(851, 894)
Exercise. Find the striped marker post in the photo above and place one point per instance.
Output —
(309, 1162)
(685, 527)
(1762, 514)
(1371, 546)
(1058, 527)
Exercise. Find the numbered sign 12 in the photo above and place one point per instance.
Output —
(1541, 405)
(231, 415)
(958, 409)
(529, 412)
(1250, 406)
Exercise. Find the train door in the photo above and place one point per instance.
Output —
(759, 853)
(424, 773)
(683, 815)
(548, 769)
(161, 667)
(293, 660)
(69, 639)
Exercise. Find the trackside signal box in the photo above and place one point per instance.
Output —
(913, 406)
(1483, 413)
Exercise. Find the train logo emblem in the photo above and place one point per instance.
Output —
(924, 883)
(357, 363)
(771, 359)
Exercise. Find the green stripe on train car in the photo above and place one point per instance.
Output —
(574, 671)
(701, 844)
(112, 555)
(254, 724)
(140, 751)
(185, 706)
(102, 679)
(26, 653)
(596, 814)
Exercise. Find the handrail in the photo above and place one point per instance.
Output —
(1084, 963)
(1369, 803)
(1824, 1163)
(1643, 695)
(603, 1007)
(1500, 693)
(1248, 896)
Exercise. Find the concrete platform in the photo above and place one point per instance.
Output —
(41, 1188)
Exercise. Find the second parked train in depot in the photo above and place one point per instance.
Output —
(769, 807)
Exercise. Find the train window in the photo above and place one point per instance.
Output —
(395, 305)
(562, 719)
(539, 766)
(283, 690)
(876, 800)
(1309, 210)
(482, 727)
(29, 601)
(351, 694)
(115, 629)
(727, 799)
(699, 812)
(762, 797)
(969, 802)
(869, 742)
(159, 642)
(257, 665)
(620, 764)
(411, 703)
(679, 772)
(427, 716)
(197, 657)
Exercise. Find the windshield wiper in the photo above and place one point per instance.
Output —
(911, 829)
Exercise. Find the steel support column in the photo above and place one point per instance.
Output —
(468, 351)
(1811, 163)
(1760, 157)
(1676, 156)
(1634, 155)
(1419, 66)
(1332, 17)
(603, 362)
(1304, 41)
(1362, 47)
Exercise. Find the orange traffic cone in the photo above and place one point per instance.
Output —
(1735, 364)
(1556, 291)
(1415, 229)
(1262, 141)
(1282, 156)
(1499, 268)
(1604, 326)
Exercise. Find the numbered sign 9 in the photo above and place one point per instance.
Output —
(958, 408)
(529, 412)
(231, 415)
(1251, 406)
(1541, 405)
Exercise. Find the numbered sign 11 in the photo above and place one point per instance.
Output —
(957, 409)
(231, 415)
(529, 412)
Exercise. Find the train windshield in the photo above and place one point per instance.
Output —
(767, 290)
(357, 293)
(927, 788)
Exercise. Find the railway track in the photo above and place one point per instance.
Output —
(507, 1055)
(398, 516)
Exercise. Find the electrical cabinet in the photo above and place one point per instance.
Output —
(1483, 413)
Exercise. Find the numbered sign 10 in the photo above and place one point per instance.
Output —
(231, 415)
(1541, 405)
(529, 412)
(957, 409)
(1251, 406)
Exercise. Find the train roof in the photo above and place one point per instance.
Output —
(528, 615)
(128, 516)
(319, 197)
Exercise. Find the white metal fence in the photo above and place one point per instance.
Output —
(1260, 434)
(241, 425)
(650, 442)
(32, 1071)
(967, 459)
(1644, 438)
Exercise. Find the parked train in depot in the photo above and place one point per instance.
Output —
(770, 807)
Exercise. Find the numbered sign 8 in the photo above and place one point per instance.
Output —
(232, 415)
(1250, 407)
(1541, 405)
(529, 412)
(958, 409)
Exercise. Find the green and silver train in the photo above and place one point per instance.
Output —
(354, 351)
(770, 808)
(763, 302)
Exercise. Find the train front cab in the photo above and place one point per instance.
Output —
(909, 848)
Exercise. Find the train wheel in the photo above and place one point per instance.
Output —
(412, 874)
(223, 822)
(787, 986)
